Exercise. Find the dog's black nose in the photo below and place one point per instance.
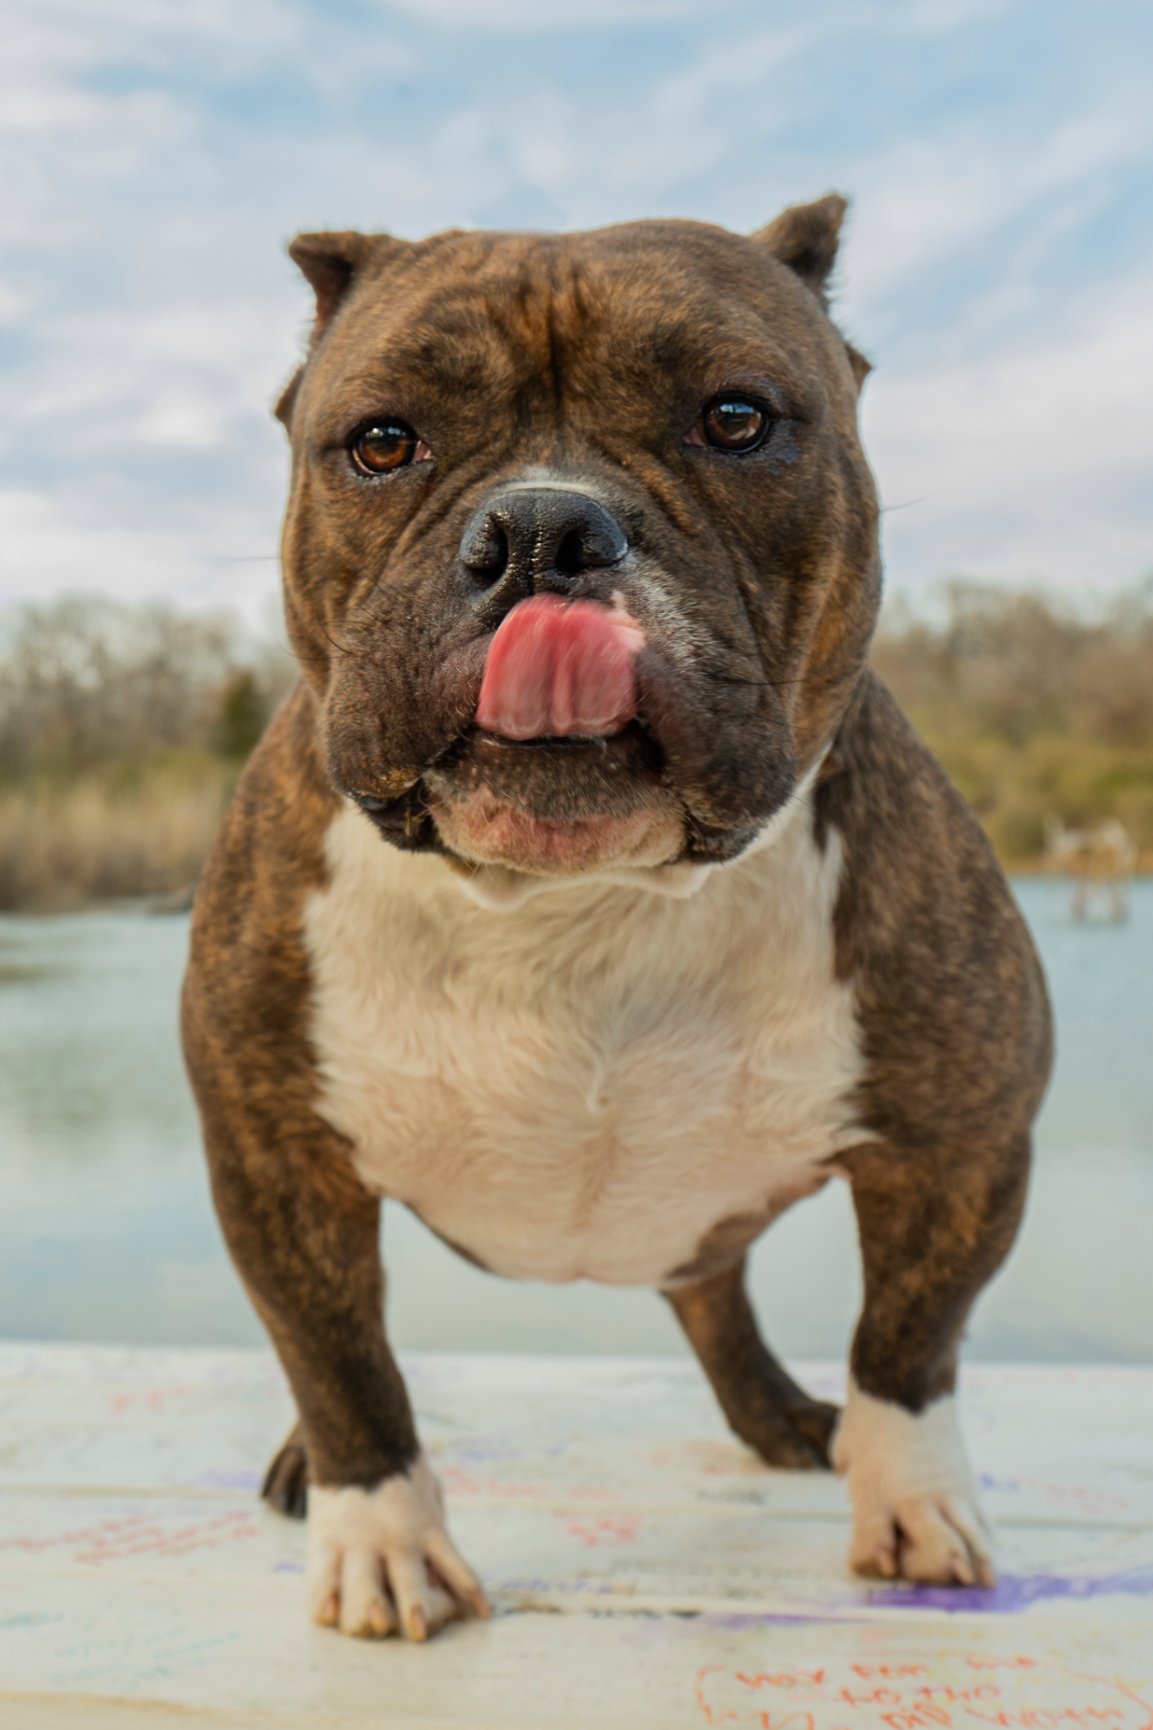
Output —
(528, 539)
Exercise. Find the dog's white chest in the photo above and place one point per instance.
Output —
(583, 1084)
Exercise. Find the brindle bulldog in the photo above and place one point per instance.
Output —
(589, 895)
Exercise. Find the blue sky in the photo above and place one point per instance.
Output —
(156, 155)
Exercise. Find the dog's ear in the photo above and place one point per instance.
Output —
(286, 401)
(861, 366)
(329, 262)
(805, 238)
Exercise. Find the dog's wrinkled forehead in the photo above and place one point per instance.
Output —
(628, 320)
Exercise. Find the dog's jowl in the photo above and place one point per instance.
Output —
(590, 896)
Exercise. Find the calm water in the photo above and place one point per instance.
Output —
(107, 1232)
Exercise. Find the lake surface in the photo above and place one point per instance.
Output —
(107, 1231)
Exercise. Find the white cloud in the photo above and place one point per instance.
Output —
(188, 554)
(935, 17)
(138, 376)
(931, 17)
(15, 303)
(1031, 462)
(542, 15)
(47, 39)
(933, 201)
(145, 217)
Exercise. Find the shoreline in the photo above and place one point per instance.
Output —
(179, 901)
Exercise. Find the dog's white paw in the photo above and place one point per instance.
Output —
(381, 1561)
(915, 1508)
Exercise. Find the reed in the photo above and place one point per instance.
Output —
(89, 840)
(122, 730)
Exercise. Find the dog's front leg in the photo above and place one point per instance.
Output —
(763, 1404)
(304, 1235)
(933, 1229)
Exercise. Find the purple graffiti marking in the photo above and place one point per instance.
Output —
(228, 1481)
(1015, 1592)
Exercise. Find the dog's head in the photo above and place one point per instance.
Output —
(581, 548)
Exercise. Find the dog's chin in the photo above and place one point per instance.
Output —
(485, 829)
(556, 807)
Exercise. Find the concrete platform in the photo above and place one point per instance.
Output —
(647, 1574)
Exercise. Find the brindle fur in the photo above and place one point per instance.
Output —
(586, 354)
(957, 1042)
(302, 1230)
(761, 1401)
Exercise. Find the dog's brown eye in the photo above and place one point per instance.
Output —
(380, 446)
(734, 424)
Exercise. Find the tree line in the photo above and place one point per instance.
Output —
(1040, 713)
(86, 683)
(123, 728)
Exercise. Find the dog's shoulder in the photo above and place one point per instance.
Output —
(955, 1016)
(247, 959)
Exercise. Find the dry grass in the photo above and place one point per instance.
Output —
(92, 840)
(122, 730)
(1017, 789)
(1037, 715)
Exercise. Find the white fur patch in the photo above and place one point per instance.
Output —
(915, 1507)
(581, 1082)
(369, 1553)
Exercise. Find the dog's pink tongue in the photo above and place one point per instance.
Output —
(558, 668)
